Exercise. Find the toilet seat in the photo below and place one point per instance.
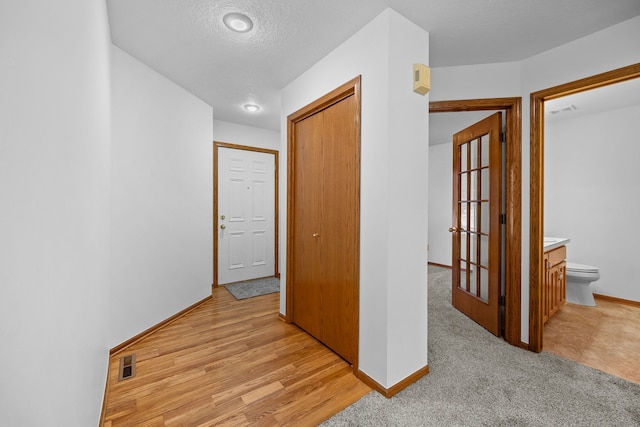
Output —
(581, 268)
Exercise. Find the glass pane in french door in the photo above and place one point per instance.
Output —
(474, 216)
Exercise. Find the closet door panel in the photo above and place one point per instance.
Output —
(308, 268)
(339, 236)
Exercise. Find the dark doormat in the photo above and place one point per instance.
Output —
(254, 288)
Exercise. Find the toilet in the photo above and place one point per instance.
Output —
(579, 278)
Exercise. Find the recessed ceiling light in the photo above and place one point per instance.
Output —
(252, 108)
(238, 22)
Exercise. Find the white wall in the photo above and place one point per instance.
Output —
(162, 198)
(605, 50)
(450, 83)
(394, 157)
(54, 214)
(440, 194)
(591, 192)
(476, 81)
(235, 133)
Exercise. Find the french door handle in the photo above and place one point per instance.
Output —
(453, 229)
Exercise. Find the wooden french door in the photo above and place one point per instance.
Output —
(323, 242)
(477, 166)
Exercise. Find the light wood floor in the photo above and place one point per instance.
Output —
(605, 337)
(232, 363)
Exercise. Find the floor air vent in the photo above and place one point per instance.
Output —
(127, 367)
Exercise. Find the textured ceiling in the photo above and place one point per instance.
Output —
(185, 40)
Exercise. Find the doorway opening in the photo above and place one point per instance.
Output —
(537, 186)
(512, 200)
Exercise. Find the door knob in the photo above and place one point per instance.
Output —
(223, 226)
(222, 217)
(315, 235)
(453, 229)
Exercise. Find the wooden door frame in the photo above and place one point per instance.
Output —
(350, 88)
(536, 230)
(513, 200)
(216, 145)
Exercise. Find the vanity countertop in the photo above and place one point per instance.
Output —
(554, 242)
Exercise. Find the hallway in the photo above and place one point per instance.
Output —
(230, 362)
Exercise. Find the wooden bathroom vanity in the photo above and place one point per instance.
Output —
(554, 289)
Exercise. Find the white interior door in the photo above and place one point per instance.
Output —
(246, 215)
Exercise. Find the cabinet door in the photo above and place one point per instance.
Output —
(545, 288)
(554, 286)
(557, 287)
(562, 267)
(553, 289)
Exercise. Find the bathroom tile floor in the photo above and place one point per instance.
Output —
(605, 337)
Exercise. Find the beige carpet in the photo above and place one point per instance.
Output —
(477, 379)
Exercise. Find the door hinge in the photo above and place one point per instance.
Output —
(503, 218)
(503, 137)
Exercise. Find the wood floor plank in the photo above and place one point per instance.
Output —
(263, 392)
(309, 410)
(230, 362)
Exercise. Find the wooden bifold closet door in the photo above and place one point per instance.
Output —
(323, 248)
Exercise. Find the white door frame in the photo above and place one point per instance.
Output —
(216, 145)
